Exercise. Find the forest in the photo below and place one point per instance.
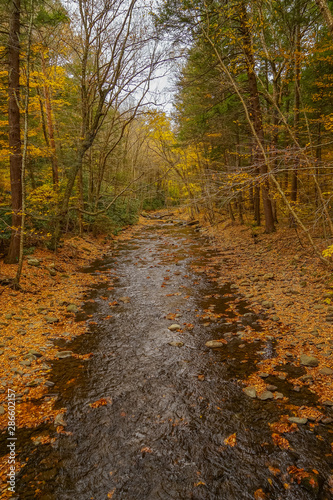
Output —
(86, 146)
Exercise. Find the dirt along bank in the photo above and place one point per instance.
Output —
(288, 285)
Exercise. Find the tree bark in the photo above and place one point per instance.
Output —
(256, 116)
(326, 13)
(15, 159)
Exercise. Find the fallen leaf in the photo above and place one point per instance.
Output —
(231, 440)
(100, 402)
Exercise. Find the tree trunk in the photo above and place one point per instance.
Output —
(294, 180)
(15, 159)
(326, 13)
(256, 116)
(50, 127)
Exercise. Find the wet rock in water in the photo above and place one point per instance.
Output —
(125, 300)
(326, 371)
(64, 354)
(213, 343)
(72, 308)
(311, 484)
(248, 319)
(33, 262)
(174, 327)
(266, 395)
(250, 391)
(306, 360)
(51, 319)
(271, 388)
(59, 420)
(176, 343)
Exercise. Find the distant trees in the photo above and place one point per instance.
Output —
(244, 95)
(92, 64)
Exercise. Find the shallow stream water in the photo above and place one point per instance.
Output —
(170, 407)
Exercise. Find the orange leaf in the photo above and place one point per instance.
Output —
(100, 402)
(280, 441)
(231, 440)
(259, 495)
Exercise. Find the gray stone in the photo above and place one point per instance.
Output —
(250, 391)
(72, 308)
(64, 354)
(125, 300)
(271, 387)
(306, 360)
(59, 420)
(298, 420)
(25, 362)
(266, 395)
(33, 383)
(174, 327)
(48, 383)
(326, 371)
(315, 333)
(33, 262)
(213, 343)
(176, 343)
(51, 319)
(35, 353)
(278, 395)
(263, 375)
(267, 304)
